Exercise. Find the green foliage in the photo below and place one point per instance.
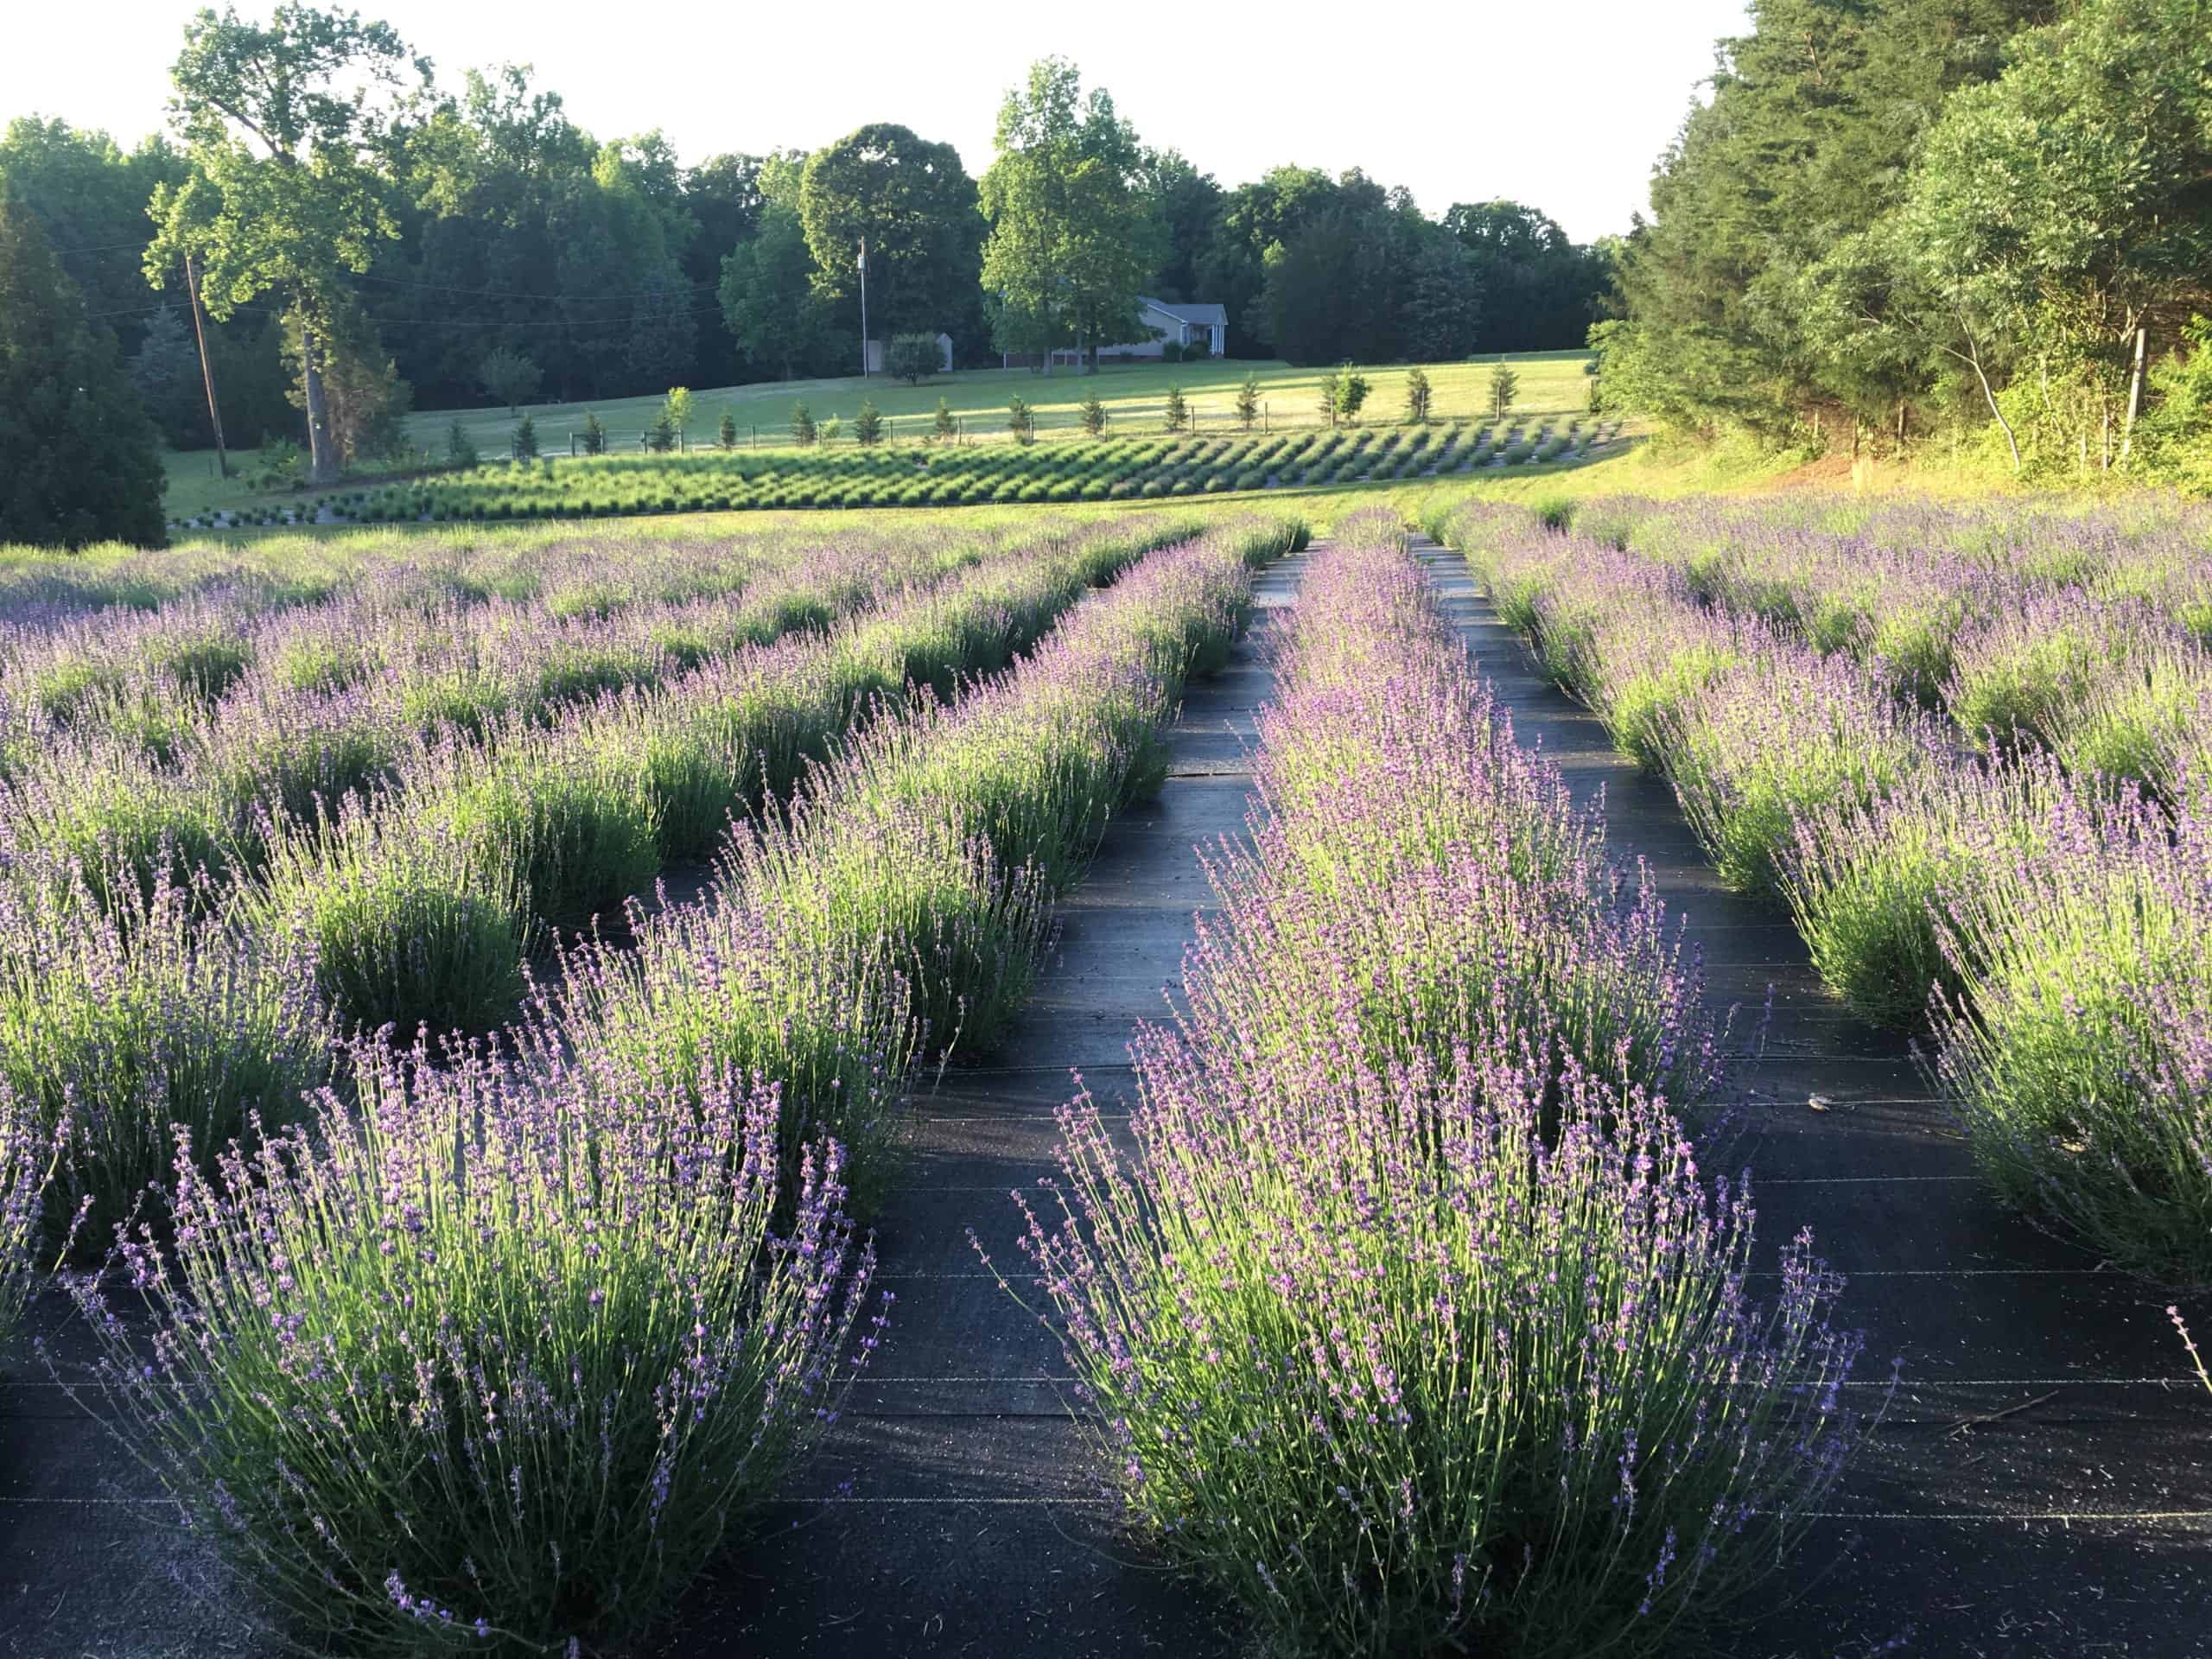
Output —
(1071, 244)
(911, 358)
(1504, 386)
(945, 425)
(830, 429)
(868, 425)
(525, 439)
(774, 313)
(78, 456)
(802, 431)
(1419, 396)
(166, 370)
(725, 431)
(910, 200)
(1351, 388)
(281, 123)
(1248, 402)
(1021, 420)
(676, 410)
(1175, 414)
(661, 435)
(510, 375)
(592, 440)
(1092, 413)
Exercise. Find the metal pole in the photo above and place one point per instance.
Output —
(206, 373)
(863, 307)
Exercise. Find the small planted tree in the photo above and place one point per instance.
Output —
(660, 436)
(509, 376)
(1351, 393)
(1176, 413)
(1332, 393)
(802, 424)
(1418, 396)
(525, 439)
(831, 430)
(868, 425)
(460, 449)
(1505, 385)
(593, 436)
(726, 434)
(1248, 402)
(947, 427)
(1093, 415)
(676, 410)
(1021, 420)
(911, 358)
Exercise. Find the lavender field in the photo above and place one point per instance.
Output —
(1635, 1081)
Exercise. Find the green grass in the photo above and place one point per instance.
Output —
(1552, 384)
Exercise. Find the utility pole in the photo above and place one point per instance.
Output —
(206, 373)
(863, 307)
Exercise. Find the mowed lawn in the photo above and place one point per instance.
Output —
(1551, 383)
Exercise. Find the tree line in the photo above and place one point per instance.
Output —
(1989, 220)
(360, 238)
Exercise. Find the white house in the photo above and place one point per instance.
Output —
(1200, 330)
(943, 351)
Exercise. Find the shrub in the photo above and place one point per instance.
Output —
(1419, 395)
(947, 425)
(2077, 1052)
(1351, 389)
(524, 444)
(1021, 420)
(412, 924)
(1175, 414)
(802, 431)
(1781, 735)
(911, 358)
(868, 425)
(123, 1013)
(660, 436)
(832, 430)
(1093, 414)
(726, 432)
(460, 449)
(488, 1358)
(593, 439)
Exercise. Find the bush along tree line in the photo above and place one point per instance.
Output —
(1992, 226)
(353, 237)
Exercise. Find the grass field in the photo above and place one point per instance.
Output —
(1552, 383)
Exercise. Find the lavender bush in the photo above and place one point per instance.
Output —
(1418, 1334)
(122, 1016)
(484, 1362)
(2079, 1050)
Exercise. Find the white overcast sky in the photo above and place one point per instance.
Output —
(1561, 105)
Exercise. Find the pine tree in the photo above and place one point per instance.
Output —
(1176, 413)
(166, 370)
(525, 438)
(593, 436)
(1248, 402)
(78, 459)
(947, 425)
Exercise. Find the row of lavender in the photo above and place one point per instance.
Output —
(1410, 1318)
(2045, 916)
(196, 980)
(496, 1347)
(202, 718)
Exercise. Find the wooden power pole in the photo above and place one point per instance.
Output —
(207, 372)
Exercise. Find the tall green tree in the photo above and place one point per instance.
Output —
(1814, 121)
(777, 319)
(283, 123)
(914, 204)
(166, 370)
(1073, 241)
(78, 459)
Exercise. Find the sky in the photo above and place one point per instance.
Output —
(1563, 106)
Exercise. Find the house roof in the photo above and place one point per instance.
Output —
(1214, 314)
